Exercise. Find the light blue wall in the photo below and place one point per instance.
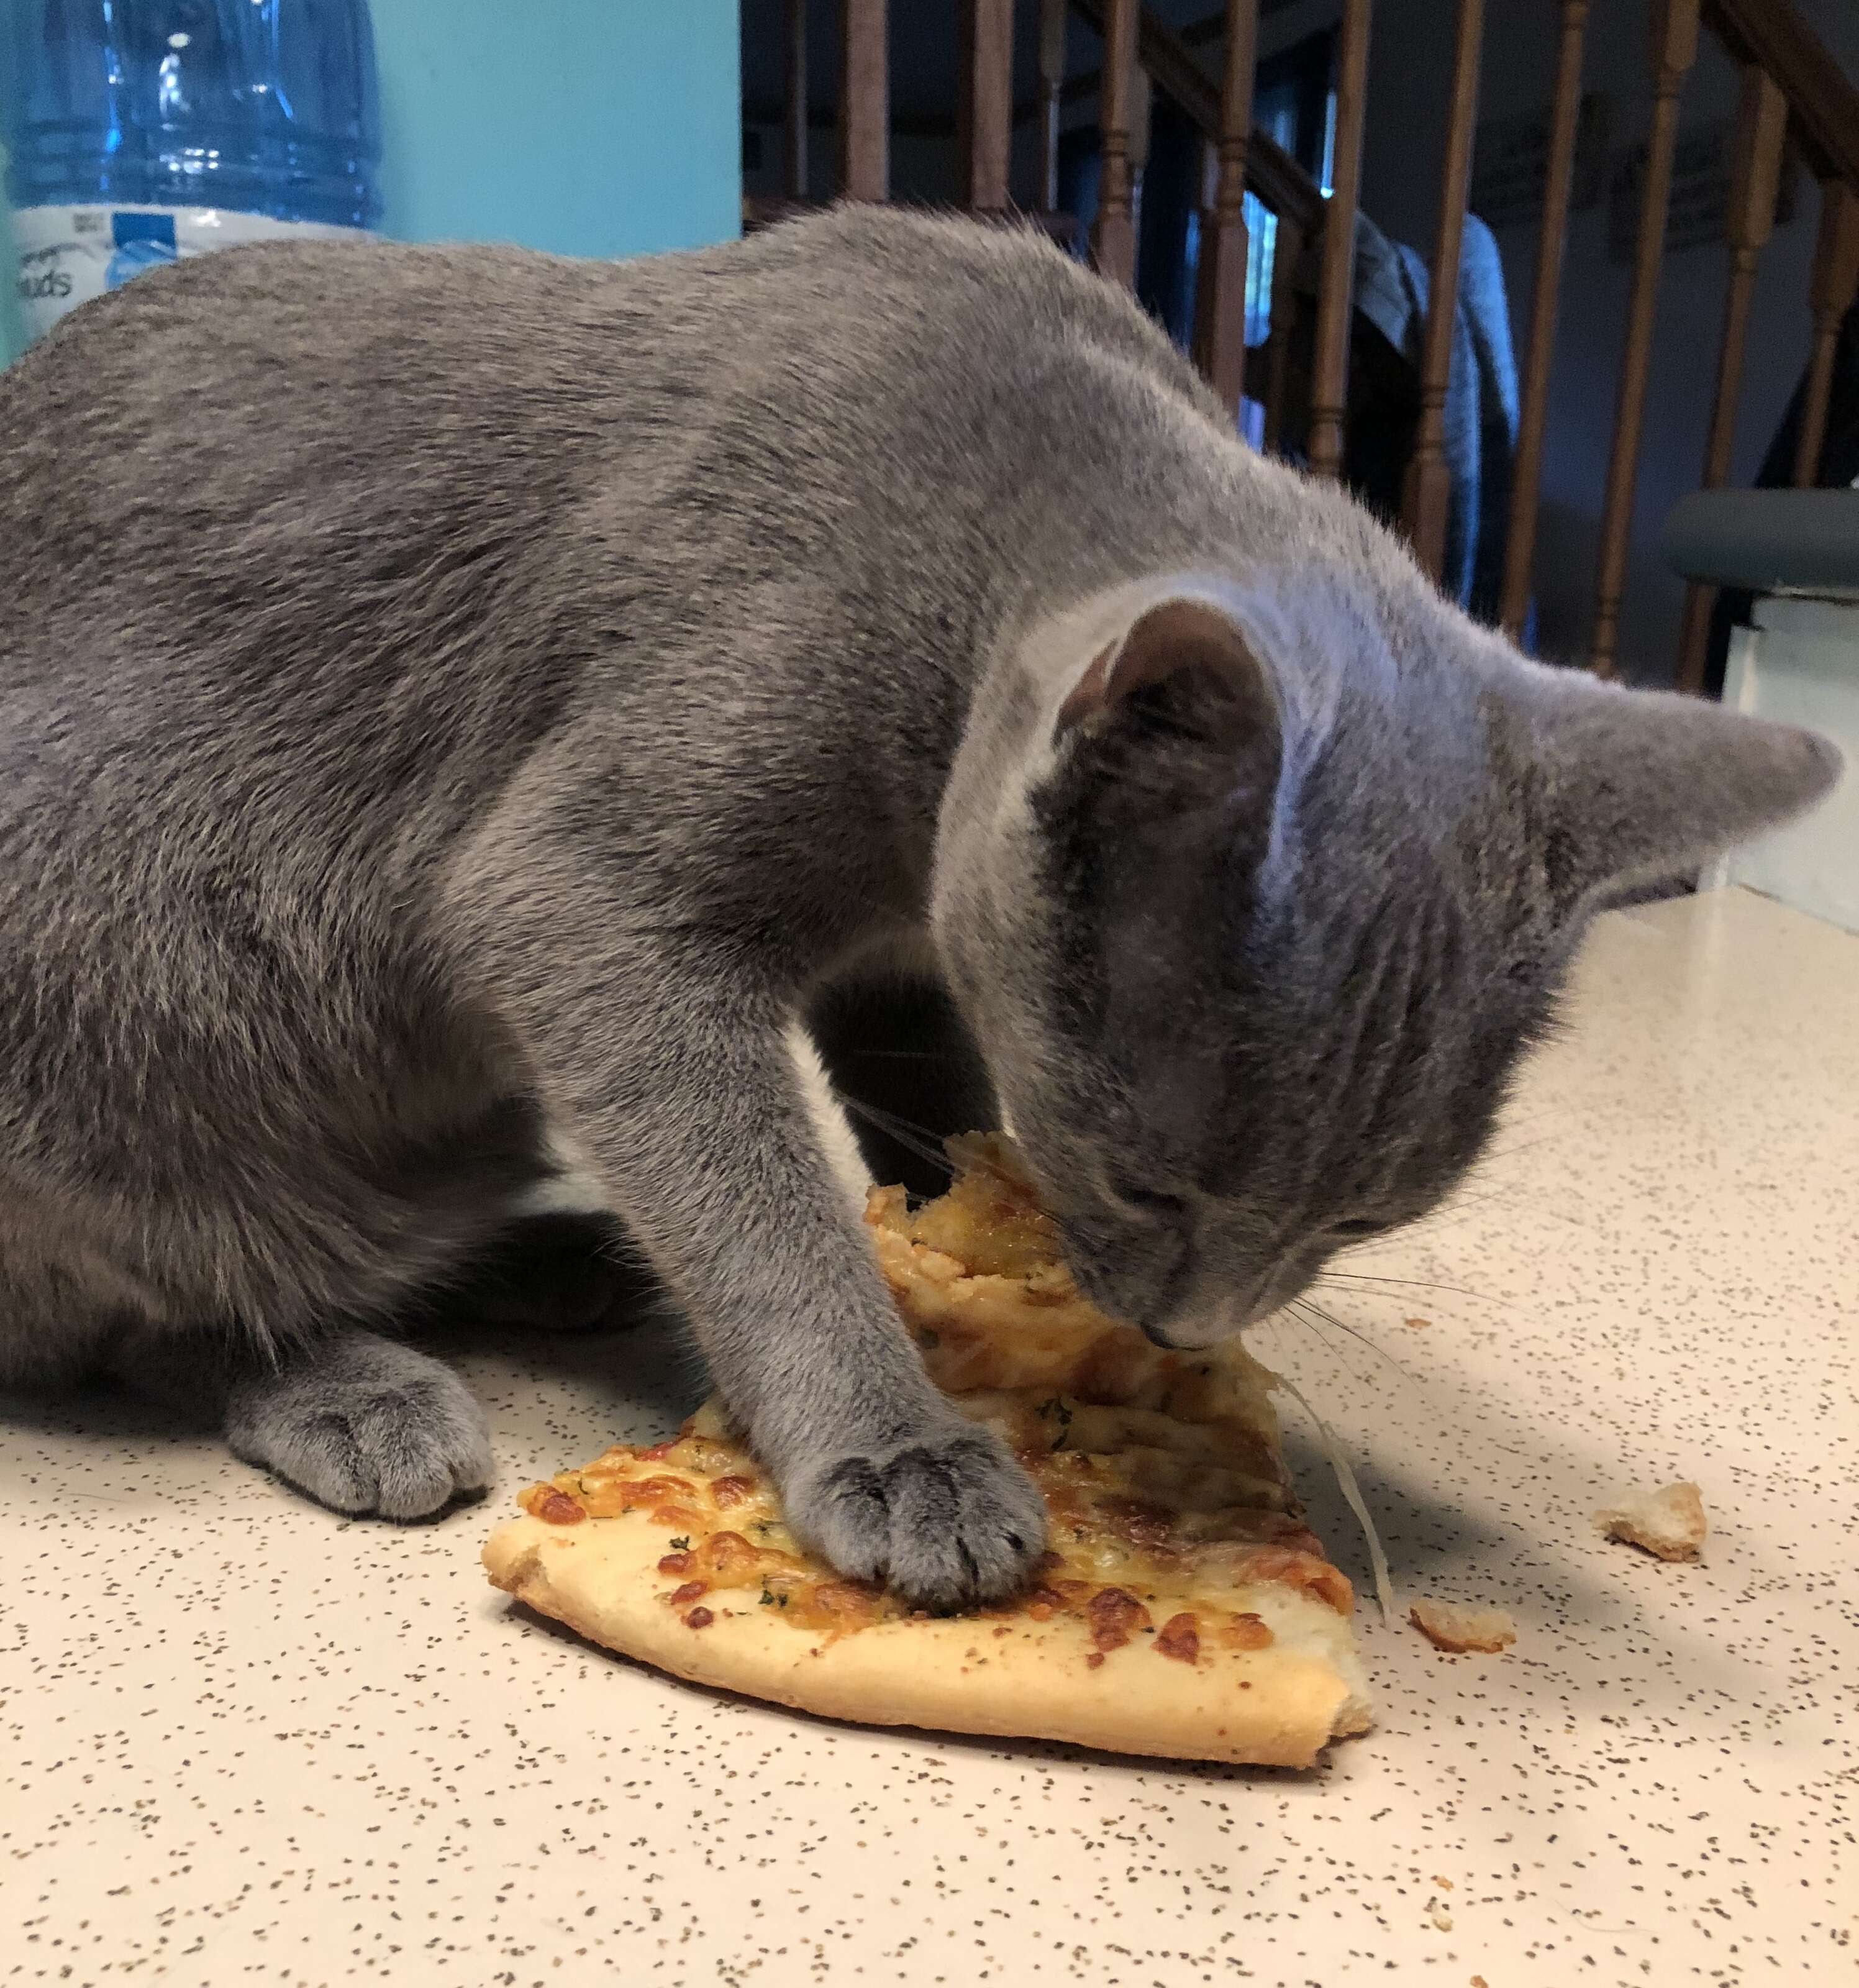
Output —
(592, 127)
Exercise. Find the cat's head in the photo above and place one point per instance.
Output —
(1254, 899)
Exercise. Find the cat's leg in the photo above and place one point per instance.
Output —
(686, 1095)
(357, 1422)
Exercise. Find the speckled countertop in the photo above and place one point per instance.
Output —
(246, 1742)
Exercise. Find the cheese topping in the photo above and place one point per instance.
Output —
(1171, 1518)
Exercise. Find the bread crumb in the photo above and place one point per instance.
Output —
(1448, 1627)
(1416, 1321)
(1669, 1522)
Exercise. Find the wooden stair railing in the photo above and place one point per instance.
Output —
(1532, 410)
(1272, 175)
(1113, 231)
(1771, 34)
(864, 100)
(1219, 327)
(984, 116)
(1792, 91)
(1336, 285)
(1054, 16)
(1762, 124)
(1674, 49)
(1240, 161)
(1823, 118)
(794, 100)
(1428, 490)
(1831, 287)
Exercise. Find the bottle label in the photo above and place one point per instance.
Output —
(67, 254)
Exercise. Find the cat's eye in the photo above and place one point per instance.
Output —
(1147, 1201)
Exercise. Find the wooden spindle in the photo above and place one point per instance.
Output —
(1427, 490)
(1114, 232)
(1829, 293)
(864, 100)
(1762, 124)
(1526, 476)
(1053, 14)
(1219, 303)
(1329, 365)
(1287, 254)
(1674, 49)
(983, 103)
(794, 129)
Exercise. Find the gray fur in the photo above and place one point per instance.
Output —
(460, 708)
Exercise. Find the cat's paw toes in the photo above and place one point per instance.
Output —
(947, 1519)
(367, 1429)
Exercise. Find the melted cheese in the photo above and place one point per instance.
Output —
(1170, 1515)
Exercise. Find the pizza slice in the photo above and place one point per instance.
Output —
(1183, 1609)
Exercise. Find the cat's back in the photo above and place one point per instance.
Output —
(212, 402)
(337, 457)
(226, 399)
(887, 321)
(860, 269)
(281, 342)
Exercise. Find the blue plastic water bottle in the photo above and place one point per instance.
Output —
(143, 131)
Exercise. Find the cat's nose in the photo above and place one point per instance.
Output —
(1212, 1316)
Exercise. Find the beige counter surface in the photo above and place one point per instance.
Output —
(247, 1742)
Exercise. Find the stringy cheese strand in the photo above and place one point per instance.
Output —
(1352, 1492)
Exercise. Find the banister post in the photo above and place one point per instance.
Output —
(984, 110)
(794, 123)
(1114, 232)
(1761, 122)
(1427, 492)
(1533, 414)
(1830, 293)
(1329, 365)
(1219, 330)
(1674, 49)
(864, 100)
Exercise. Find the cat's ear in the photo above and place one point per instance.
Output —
(1637, 785)
(1176, 711)
(1187, 643)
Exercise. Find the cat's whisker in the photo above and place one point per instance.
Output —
(1294, 1312)
(1330, 1317)
(1413, 1284)
(1498, 1155)
(1463, 1204)
(918, 1139)
(1506, 1127)
(1340, 1357)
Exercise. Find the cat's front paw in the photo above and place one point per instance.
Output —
(943, 1516)
(365, 1427)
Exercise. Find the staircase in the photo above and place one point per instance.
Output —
(1796, 113)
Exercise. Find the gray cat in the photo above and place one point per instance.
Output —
(461, 707)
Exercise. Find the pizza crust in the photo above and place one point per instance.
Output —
(1448, 1626)
(1275, 1707)
(1669, 1523)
